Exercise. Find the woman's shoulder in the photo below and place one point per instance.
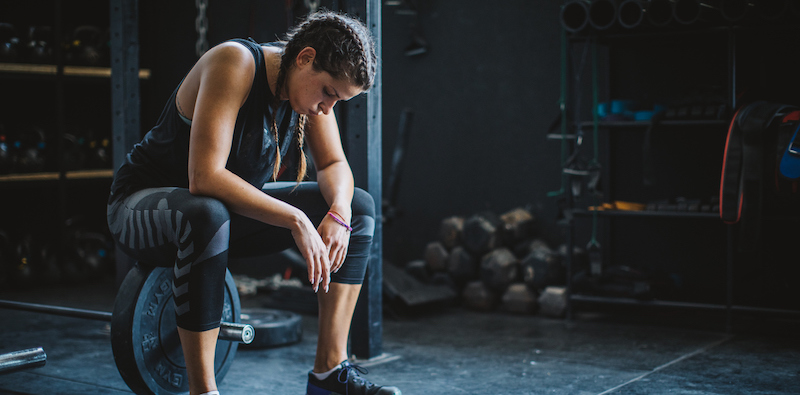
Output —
(226, 62)
(227, 66)
(230, 53)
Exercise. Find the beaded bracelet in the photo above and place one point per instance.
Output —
(340, 221)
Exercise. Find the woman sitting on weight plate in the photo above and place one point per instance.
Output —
(197, 188)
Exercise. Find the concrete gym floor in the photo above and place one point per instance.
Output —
(448, 351)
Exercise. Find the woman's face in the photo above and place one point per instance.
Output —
(314, 92)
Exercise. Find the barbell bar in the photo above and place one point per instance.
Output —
(229, 331)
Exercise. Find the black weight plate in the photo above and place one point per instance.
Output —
(144, 337)
(273, 327)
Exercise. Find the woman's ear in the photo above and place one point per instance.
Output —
(306, 56)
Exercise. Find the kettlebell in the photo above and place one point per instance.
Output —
(74, 156)
(69, 264)
(30, 151)
(93, 251)
(90, 252)
(27, 260)
(9, 43)
(50, 272)
(99, 157)
(40, 47)
(86, 47)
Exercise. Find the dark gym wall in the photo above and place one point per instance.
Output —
(168, 36)
(482, 96)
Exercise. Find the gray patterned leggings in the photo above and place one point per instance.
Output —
(171, 227)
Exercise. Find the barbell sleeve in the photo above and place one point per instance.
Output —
(235, 332)
(24, 359)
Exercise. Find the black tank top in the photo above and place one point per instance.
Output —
(162, 157)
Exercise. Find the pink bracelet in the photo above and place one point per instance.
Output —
(349, 229)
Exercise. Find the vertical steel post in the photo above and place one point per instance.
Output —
(729, 259)
(125, 105)
(362, 116)
(565, 190)
(61, 122)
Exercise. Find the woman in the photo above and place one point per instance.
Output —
(193, 191)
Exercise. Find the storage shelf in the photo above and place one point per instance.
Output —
(644, 124)
(71, 71)
(683, 48)
(664, 303)
(54, 176)
(647, 214)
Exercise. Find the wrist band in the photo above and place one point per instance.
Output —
(341, 222)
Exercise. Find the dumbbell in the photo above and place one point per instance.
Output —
(462, 266)
(450, 231)
(542, 267)
(499, 269)
(478, 296)
(519, 298)
(553, 302)
(480, 233)
(516, 225)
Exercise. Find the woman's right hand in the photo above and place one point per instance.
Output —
(314, 252)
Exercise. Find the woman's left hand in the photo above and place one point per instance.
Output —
(337, 238)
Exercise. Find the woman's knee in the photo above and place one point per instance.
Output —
(363, 221)
(204, 211)
(363, 204)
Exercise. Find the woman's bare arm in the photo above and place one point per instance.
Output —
(222, 79)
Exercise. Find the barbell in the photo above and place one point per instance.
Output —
(144, 336)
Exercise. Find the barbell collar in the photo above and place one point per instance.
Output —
(236, 332)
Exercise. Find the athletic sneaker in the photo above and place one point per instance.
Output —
(346, 381)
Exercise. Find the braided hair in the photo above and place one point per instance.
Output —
(344, 49)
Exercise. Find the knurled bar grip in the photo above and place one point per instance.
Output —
(230, 331)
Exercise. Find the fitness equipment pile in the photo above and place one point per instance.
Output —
(496, 262)
(499, 263)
